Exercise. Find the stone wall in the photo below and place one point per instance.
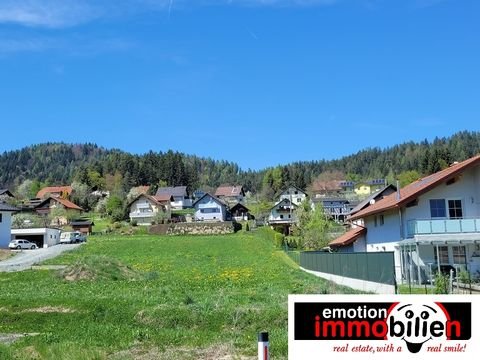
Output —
(196, 228)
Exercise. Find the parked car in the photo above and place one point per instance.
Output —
(72, 237)
(22, 244)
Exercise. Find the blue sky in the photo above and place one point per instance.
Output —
(258, 82)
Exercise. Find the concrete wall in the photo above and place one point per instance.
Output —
(5, 227)
(357, 284)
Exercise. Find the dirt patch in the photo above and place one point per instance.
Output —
(216, 352)
(50, 309)
(30, 353)
(99, 267)
(5, 254)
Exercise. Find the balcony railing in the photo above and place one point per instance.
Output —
(142, 214)
(443, 226)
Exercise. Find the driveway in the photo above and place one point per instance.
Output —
(26, 258)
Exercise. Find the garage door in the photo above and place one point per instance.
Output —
(37, 239)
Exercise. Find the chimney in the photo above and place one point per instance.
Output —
(398, 190)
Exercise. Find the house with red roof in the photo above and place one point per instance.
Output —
(181, 197)
(52, 203)
(230, 194)
(55, 191)
(431, 225)
(144, 208)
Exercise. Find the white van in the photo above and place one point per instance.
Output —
(71, 237)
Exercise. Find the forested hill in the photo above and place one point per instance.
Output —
(59, 163)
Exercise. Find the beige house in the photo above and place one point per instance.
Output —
(144, 208)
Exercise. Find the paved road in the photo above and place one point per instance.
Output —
(26, 258)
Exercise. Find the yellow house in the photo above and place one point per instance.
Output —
(369, 187)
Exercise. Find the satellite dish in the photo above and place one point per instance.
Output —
(372, 201)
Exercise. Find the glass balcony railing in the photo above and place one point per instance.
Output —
(443, 226)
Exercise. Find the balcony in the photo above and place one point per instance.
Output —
(443, 226)
(139, 214)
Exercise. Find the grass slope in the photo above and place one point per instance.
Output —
(154, 297)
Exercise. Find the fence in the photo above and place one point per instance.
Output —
(374, 267)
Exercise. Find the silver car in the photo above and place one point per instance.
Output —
(21, 244)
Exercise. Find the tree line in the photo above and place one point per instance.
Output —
(118, 171)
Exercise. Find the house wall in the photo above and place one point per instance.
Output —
(289, 194)
(5, 228)
(179, 202)
(208, 204)
(143, 216)
(467, 189)
(387, 233)
(275, 215)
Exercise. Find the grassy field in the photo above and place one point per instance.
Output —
(145, 297)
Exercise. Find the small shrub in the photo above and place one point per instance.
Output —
(247, 227)
(279, 240)
(134, 223)
(464, 277)
(441, 283)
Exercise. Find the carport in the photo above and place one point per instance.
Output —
(42, 237)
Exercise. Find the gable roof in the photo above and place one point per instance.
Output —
(239, 206)
(6, 192)
(54, 190)
(214, 198)
(283, 201)
(295, 187)
(349, 237)
(157, 200)
(6, 207)
(417, 188)
(163, 198)
(230, 190)
(378, 195)
(172, 190)
(66, 203)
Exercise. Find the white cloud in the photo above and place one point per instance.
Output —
(48, 13)
(68, 13)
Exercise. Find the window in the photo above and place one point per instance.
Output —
(443, 250)
(375, 220)
(437, 208)
(299, 200)
(382, 220)
(281, 216)
(455, 209)
(458, 254)
(1, 215)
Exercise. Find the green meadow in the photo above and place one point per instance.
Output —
(152, 297)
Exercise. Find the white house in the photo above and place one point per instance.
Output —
(293, 194)
(144, 208)
(5, 224)
(431, 225)
(283, 213)
(210, 208)
(181, 198)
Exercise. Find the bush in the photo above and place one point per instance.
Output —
(279, 240)
(134, 223)
(247, 227)
(441, 283)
